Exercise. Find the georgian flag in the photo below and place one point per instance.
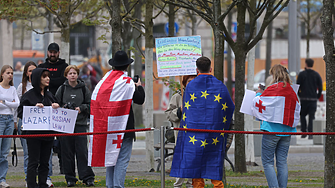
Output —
(277, 104)
(110, 106)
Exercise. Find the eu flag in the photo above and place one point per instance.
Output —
(206, 105)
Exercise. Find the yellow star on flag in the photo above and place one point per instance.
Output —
(192, 139)
(185, 127)
(222, 134)
(224, 106)
(184, 116)
(215, 140)
(217, 98)
(187, 104)
(204, 94)
(224, 119)
(193, 97)
(203, 143)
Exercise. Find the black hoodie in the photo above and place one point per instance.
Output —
(56, 73)
(34, 96)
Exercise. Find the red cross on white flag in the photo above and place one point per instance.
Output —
(110, 106)
(277, 104)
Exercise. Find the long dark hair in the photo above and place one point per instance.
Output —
(3, 70)
(25, 78)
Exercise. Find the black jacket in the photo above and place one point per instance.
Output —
(56, 73)
(138, 98)
(75, 95)
(310, 85)
(34, 96)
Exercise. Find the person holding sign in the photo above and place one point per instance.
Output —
(39, 148)
(73, 94)
(279, 108)
(8, 101)
(23, 87)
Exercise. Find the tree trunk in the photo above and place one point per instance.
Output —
(328, 41)
(248, 119)
(138, 109)
(240, 56)
(115, 23)
(171, 34)
(308, 28)
(6, 41)
(149, 120)
(22, 35)
(229, 58)
(65, 44)
(218, 42)
(268, 51)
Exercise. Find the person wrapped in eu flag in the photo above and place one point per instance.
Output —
(206, 105)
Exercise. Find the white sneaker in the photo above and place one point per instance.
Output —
(50, 184)
(4, 184)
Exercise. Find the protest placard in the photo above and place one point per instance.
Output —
(47, 118)
(177, 55)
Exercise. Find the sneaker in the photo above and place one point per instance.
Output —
(303, 136)
(71, 184)
(4, 184)
(49, 183)
(90, 183)
(310, 136)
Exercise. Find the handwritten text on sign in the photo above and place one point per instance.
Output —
(47, 118)
(177, 55)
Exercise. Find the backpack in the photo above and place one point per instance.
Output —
(87, 80)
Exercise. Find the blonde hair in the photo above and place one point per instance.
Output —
(280, 74)
(68, 68)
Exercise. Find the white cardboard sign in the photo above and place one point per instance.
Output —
(47, 118)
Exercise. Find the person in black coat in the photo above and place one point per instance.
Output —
(115, 175)
(39, 148)
(310, 91)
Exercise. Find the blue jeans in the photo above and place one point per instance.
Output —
(6, 128)
(278, 146)
(24, 147)
(115, 175)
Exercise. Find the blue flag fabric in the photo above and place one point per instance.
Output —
(206, 105)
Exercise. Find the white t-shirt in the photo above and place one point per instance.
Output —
(11, 99)
(19, 89)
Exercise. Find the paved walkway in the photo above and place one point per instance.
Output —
(303, 155)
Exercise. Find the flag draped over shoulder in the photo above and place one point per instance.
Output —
(110, 106)
(277, 104)
(206, 105)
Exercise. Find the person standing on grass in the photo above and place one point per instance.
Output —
(173, 114)
(39, 148)
(8, 101)
(23, 87)
(206, 105)
(111, 110)
(56, 67)
(74, 94)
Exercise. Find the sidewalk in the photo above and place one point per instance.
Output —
(303, 145)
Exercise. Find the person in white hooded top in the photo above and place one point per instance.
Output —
(8, 101)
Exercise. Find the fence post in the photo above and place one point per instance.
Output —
(162, 157)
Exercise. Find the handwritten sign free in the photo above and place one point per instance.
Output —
(47, 118)
(177, 55)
